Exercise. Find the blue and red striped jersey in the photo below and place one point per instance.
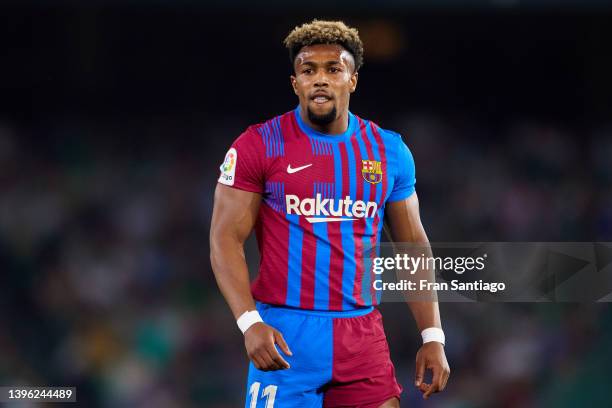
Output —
(323, 203)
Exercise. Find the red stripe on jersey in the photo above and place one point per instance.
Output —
(382, 153)
(336, 265)
(358, 225)
(266, 287)
(373, 188)
(289, 126)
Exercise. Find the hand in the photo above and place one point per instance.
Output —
(259, 341)
(431, 356)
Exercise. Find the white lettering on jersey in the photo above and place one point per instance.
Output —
(328, 209)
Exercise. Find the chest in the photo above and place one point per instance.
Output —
(339, 169)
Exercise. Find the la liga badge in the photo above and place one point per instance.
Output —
(228, 168)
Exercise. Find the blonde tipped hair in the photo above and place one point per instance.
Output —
(325, 32)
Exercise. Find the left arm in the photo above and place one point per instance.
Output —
(405, 225)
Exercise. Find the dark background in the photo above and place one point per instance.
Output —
(114, 118)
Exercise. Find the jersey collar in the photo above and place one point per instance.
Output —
(350, 129)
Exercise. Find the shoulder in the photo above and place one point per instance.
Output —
(390, 138)
(397, 151)
(269, 135)
(260, 134)
(269, 126)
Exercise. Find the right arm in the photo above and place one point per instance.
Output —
(234, 215)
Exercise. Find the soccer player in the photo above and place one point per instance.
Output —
(316, 183)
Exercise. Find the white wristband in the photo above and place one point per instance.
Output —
(432, 334)
(247, 319)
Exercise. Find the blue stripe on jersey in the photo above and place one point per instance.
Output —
(279, 134)
(320, 147)
(325, 189)
(270, 140)
(346, 228)
(272, 137)
(294, 270)
(270, 146)
(263, 131)
(275, 195)
(323, 251)
(379, 188)
(365, 281)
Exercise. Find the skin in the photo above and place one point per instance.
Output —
(324, 69)
(319, 70)
(404, 225)
(234, 215)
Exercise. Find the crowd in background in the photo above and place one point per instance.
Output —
(106, 283)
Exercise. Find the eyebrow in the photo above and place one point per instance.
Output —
(330, 62)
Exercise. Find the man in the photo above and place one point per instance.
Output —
(315, 183)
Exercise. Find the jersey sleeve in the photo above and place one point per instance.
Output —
(405, 175)
(243, 166)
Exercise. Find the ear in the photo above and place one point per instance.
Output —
(353, 82)
(293, 83)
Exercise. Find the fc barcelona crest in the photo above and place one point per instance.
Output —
(372, 171)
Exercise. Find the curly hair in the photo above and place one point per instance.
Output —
(325, 32)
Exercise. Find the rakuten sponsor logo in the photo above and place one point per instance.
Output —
(320, 209)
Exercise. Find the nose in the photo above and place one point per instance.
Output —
(321, 79)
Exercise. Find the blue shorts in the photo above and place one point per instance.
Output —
(340, 359)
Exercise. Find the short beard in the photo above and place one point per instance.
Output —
(322, 120)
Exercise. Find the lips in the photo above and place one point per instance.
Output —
(320, 97)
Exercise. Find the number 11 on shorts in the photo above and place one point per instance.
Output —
(269, 393)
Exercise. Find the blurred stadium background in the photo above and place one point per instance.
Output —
(114, 117)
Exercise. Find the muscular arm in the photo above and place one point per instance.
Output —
(234, 215)
(404, 224)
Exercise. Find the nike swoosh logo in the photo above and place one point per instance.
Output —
(296, 169)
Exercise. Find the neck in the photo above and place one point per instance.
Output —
(336, 127)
